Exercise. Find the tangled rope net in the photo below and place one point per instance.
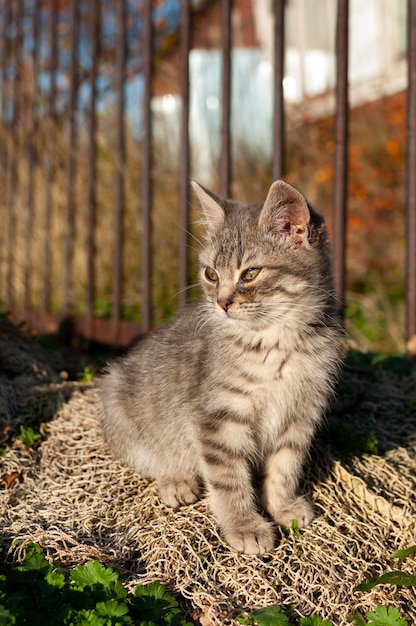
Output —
(79, 503)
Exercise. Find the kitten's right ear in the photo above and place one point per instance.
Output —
(286, 214)
(213, 212)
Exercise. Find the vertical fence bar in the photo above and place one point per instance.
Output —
(30, 142)
(411, 176)
(225, 157)
(3, 136)
(184, 158)
(278, 165)
(51, 130)
(341, 152)
(13, 148)
(71, 161)
(147, 166)
(120, 168)
(94, 33)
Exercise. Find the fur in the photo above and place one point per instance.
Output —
(227, 396)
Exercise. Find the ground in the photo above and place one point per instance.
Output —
(66, 492)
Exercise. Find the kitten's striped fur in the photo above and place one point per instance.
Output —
(228, 395)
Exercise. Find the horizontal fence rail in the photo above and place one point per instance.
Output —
(86, 179)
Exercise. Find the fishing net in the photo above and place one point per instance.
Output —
(70, 495)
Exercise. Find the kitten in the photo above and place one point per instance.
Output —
(230, 392)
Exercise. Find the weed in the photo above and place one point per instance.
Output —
(397, 578)
(43, 594)
(87, 375)
(346, 441)
(29, 437)
(270, 616)
(277, 616)
(382, 616)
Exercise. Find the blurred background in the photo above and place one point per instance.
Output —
(92, 156)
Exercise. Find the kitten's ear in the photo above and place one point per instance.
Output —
(286, 213)
(213, 212)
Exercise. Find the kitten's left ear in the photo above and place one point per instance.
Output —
(210, 204)
(286, 213)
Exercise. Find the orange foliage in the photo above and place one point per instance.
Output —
(376, 186)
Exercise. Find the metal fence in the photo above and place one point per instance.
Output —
(57, 132)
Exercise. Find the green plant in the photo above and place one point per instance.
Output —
(40, 593)
(277, 616)
(382, 616)
(29, 437)
(87, 375)
(314, 621)
(346, 441)
(270, 616)
(398, 578)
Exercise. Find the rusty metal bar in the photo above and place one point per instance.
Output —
(147, 167)
(341, 153)
(4, 152)
(31, 157)
(71, 158)
(11, 182)
(50, 169)
(94, 34)
(225, 156)
(120, 168)
(411, 176)
(278, 165)
(184, 158)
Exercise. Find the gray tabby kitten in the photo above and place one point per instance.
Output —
(230, 392)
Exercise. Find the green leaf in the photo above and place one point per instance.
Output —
(154, 604)
(93, 573)
(386, 616)
(314, 620)
(34, 559)
(403, 554)
(245, 619)
(270, 616)
(113, 608)
(358, 619)
(86, 376)
(389, 578)
(28, 436)
(55, 579)
(87, 618)
(6, 618)
(295, 528)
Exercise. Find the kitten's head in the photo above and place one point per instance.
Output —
(265, 266)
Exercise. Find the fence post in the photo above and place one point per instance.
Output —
(31, 158)
(147, 166)
(411, 178)
(120, 157)
(225, 157)
(278, 167)
(71, 160)
(50, 164)
(341, 153)
(184, 168)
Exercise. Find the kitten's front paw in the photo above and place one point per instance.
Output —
(257, 541)
(300, 509)
(179, 491)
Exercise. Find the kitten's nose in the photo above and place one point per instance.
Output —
(224, 304)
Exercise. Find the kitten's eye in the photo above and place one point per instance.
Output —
(211, 275)
(251, 273)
